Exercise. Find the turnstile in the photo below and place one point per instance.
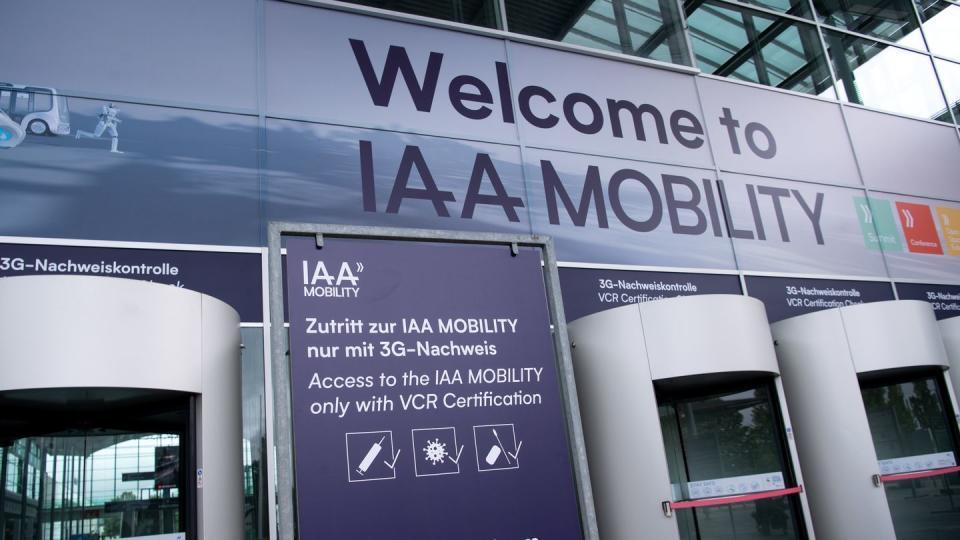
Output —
(687, 433)
(874, 420)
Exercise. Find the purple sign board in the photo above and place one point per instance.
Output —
(426, 393)
(945, 299)
(234, 278)
(786, 297)
(589, 290)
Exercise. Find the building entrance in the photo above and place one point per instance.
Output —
(96, 464)
(727, 445)
(915, 440)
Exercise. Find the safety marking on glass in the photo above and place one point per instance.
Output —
(924, 462)
(921, 474)
(735, 485)
(722, 501)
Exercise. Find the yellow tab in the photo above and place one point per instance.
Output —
(950, 225)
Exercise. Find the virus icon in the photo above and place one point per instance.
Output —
(436, 451)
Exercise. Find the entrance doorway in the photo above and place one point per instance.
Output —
(915, 437)
(728, 462)
(96, 464)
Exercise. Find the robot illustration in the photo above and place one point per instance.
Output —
(108, 119)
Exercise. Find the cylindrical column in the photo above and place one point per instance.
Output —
(628, 467)
(950, 332)
(830, 428)
(73, 332)
(626, 359)
(824, 358)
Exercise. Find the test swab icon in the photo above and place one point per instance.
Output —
(371, 455)
(496, 450)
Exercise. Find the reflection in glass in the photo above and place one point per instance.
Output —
(723, 436)
(878, 75)
(475, 12)
(884, 19)
(81, 486)
(941, 26)
(645, 28)
(910, 419)
(950, 79)
(798, 8)
(753, 46)
(256, 523)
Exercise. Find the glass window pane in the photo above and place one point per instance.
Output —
(907, 419)
(909, 423)
(43, 102)
(950, 78)
(756, 520)
(877, 75)
(645, 28)
(941, 26)
(728, 442)
(798, 8)
(475, 12)
(885, 19)
(752, 46)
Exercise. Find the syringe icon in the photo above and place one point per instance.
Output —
(371, 455)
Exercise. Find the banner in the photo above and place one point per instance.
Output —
(426, 395)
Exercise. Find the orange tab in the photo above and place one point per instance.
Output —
(950, 226)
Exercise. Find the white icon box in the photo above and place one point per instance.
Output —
(371, 456)
(436, 451)
(497, 447)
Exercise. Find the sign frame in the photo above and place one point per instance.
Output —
(287, 519)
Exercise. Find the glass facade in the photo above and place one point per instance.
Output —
(84, 486)
(475, 12)
(881, 51)
(882, 76)
(751, 45)
(721, 444)
(78, 482)
(647, 28)
(910, 426)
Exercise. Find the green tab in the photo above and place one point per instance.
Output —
(878, 225)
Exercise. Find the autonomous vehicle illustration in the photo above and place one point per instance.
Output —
(37, 110)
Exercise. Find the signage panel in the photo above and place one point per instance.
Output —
(781, 226)
(589, 290)
(425, 389)
(786, 297)
(929, 233)
(900, 155)
(234, 278)
(615, 211)
(945, 299)
(349, 69)
(648, 114)
(919, 228)
(760, 131)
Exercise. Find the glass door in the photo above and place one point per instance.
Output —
(728, 464)
(914, 434)
(95, 471)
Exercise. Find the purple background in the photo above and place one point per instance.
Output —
(918, 291)
(581, 288)
(231, 277)
(772, 292)
(418, 279)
